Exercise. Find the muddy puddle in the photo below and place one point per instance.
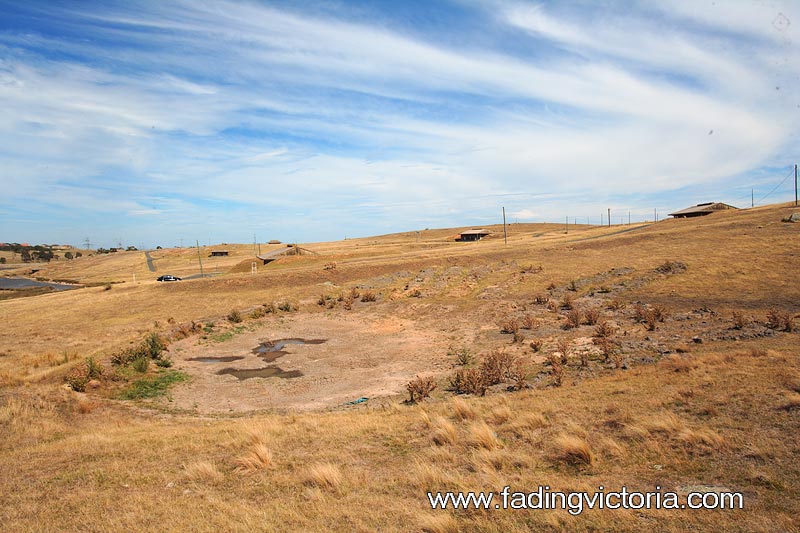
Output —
(269, 351)
(266, 372)
(228, 359)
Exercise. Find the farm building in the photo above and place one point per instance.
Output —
(473, 234)
(700, 210)
(218, 253)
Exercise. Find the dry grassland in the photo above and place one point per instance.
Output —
(681, 382)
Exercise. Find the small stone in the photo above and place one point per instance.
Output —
(697, 340)
(170, 485)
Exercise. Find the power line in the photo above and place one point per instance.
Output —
(776, 187)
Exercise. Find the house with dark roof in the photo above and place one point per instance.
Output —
(473, 234)
(700, 210)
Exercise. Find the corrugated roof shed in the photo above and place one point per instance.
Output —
(702, 209)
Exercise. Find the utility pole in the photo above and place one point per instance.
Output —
(609, 217)
(752, 204)
(199, 259)
(566, 224)
(795, 185)
(505, 234)
(88, 243)
(601, 218)
(655, 214)
(629, 218)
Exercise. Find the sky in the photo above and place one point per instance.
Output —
(164, 122)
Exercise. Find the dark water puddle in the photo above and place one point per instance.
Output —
(227, 359)
(269, 351)
(24, 283)
(266, 372)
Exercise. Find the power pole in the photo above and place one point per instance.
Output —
(88, 243)
(609, 217)
(505, 233)
(752, 204)
(655, 215)
(199, 259)
(566, 224)
(629, 218)
(795, 185)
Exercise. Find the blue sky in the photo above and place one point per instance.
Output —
(155, 122)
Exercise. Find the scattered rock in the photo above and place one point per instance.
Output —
(93, 384)
(794, 217)
(697, 340)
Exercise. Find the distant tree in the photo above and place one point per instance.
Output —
(158, 248)
(78, 254)
(131, 249)
(2, 260)
(26, 255)
(113, 250)
(67, 255)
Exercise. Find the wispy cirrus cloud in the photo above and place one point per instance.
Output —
(241, 114)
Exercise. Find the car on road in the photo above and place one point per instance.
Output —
(167, 277)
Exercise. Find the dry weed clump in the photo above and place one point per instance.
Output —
(444, 432)
(420, 388)
(572, 450)
(780, 320)
(439, 523)
(671, 267)
(482, 436)
(557, 369)
(616, 305)
(563, 345)
(325, 476)
(574, 318)
(462, 355)
(510, 325)
(497, 367)
(203, 471)
(528, 322)
(701, 440)
(462, 410)
(568, 301)
(541, 299)
(468, 381)
(536, 344)
(234, 316)
(591, 316)
(740, 321)
(257, 458)
(677, 363)
(604, 330)
(368, 296)
(518, 338)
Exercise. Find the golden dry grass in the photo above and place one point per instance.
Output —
(727, 415)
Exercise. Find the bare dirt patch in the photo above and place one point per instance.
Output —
(324, 363)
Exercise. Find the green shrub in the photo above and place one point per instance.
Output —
(140, 364)
(153, 386)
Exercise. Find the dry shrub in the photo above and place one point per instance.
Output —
(203, 471)
(557, 371)
(368, 296)
(740, 321)
(616, 305)
(563, 345)
(257, 458)
(536, 344)
(518, 338)
(552, 306)
(497, 367)
(568, 301)
(639, 312)
(347, 302)
(85, 406)
(324, 476)
(574, 318)
(671, 267)
(604, 329)
(258, 312)
(354, 293)
(591, 316)
(463, 356)
(468, 381)
(444, 433)
(329, 266)
(758, 352)
(420, 388)
(780, 320)
(439, 523)
(528, 322)
(607, 345)
(482, 436)
(791, 403)
(584, 355)
(572, 286)
(234, 316)
(572, 450)
(518, 374)
(618, 358)
(541, 299)
(509, 326)
(462, 410)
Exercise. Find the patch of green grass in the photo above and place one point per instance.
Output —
(153, 386)
(227, 335)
